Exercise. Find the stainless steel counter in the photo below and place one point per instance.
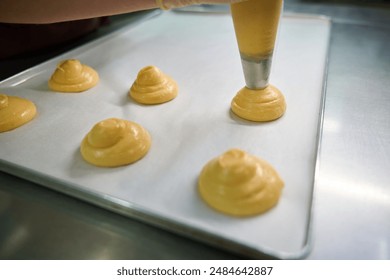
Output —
(352, 195)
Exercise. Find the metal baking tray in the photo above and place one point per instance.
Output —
(200, 52)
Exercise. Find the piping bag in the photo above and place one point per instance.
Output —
(256, 23)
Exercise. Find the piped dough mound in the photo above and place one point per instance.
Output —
(259, 105)
(239, 184)
(72, 76)
(115, 142)
(15, 112)
(152, 86)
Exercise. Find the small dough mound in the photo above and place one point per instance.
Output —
(15, 112)
(72, 76)
(259, 105)
(115, 142)
(239, 184)
(152, 86)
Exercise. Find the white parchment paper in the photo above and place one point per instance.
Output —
(200, 52)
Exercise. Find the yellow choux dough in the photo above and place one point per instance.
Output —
(152, 86)
(256, 23)
(259, 105)
(239, 184)
(115, 142)
(15, 112)
(72, 76)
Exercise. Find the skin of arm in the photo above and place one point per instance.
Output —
(51, 11)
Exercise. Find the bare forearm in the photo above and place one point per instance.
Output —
(49, 11)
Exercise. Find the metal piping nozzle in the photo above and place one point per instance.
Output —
(256, 72)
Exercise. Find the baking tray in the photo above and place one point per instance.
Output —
(200, 52)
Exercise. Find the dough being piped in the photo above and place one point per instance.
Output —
(256, 24)
(259, 105)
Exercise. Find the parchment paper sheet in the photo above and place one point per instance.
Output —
(200, 52)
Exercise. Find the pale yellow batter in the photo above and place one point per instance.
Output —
(256, 23)
(259, 105)
(152, 86)
(115, 142)
(72, 76)
(239, 184)
(15, 112)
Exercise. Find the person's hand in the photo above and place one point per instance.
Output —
(170, 4)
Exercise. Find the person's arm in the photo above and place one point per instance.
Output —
(50, 11)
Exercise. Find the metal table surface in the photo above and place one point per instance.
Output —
(352, 194)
